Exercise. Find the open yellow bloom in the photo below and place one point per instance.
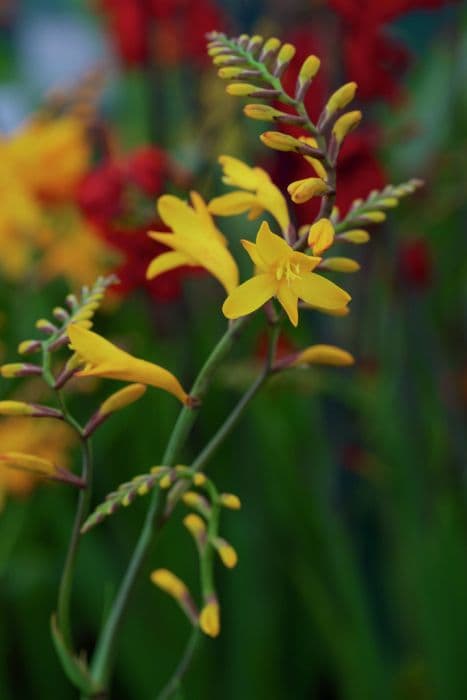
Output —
(195, 241)
(283, 273)
(256, 194)
(103, 359)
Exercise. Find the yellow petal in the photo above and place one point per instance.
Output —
(249, 296)
(319, 291)
(238, 173)
(165, 262)
(272, 199)
(176, 213)
(252, 250)
(324, 355)
(232, 203)
(289, 301)
(106, 360)
(271, 247)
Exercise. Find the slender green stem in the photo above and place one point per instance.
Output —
(106, 645)
(174, 683)
(66, 582)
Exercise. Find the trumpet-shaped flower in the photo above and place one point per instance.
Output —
(284, 273)
(195, 241)
(103, 359)
(256, 193)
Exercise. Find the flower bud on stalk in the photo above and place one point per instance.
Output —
(29, 347)
(209, 619)
(339, 265)
(307, 72)
(338, 100)
(270, 47)
(46, 326)
(35, 410)
(20, 369)
(173, 586)
(120, 399)
(283, 59)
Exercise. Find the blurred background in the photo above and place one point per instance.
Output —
(352, 540)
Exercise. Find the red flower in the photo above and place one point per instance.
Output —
(416, 263)
(118, 198)
(372, 59)
(128, 20)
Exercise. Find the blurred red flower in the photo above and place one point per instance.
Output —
(118, 198)
(372, 58)
(416, 263)
(168, 31)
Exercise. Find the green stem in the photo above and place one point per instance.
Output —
(66, 582)
(174, 683)
(106, 645)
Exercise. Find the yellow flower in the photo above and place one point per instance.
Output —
(195, 241)
(283, 273)
(49, 441)
(103, 359)
(256, 194)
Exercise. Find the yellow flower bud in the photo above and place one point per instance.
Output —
(340, 265)
(209, 619)
(199, 479)
(120, 399)
(375, 217)
(166, 481)
(321, 236)
(303, 190)
(28, 346)
(230, 500)
(309, 69)
(279, 141)
(168, 582)
(241, 89)
(356, 235)
(341, 97)
(345, 124)
(324, 355)
(271, 44)
(262, 112)
(286, 53)
(229, 72)
(222, 58)
(27, 462)
(44, 325)
(19, 369)
(214, 50)
(194, 500)
(388, 203)
(195, 524)
(226, 552)
(16, 408)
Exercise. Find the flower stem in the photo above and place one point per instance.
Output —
(106, 645)
(175, 681)
(66, 582)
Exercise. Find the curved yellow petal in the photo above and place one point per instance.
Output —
(176, 213)
(103, 359)
(249, 296)
(272, 199)
(289, 302)
(271, 247)
(252, 250)
(238, 173)
(319, 291)
(232, 203)
(205, 220)
(324, 355)
(165, 262)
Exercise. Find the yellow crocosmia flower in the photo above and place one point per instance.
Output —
(256, 193)
(302, 190)
(283, 273)
(195, 241)
(103, 359)
(324, 355)
(209, 619)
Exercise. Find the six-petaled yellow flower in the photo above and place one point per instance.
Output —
(103, 359)
(195, 241)
(284, 273)
(256, 193)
